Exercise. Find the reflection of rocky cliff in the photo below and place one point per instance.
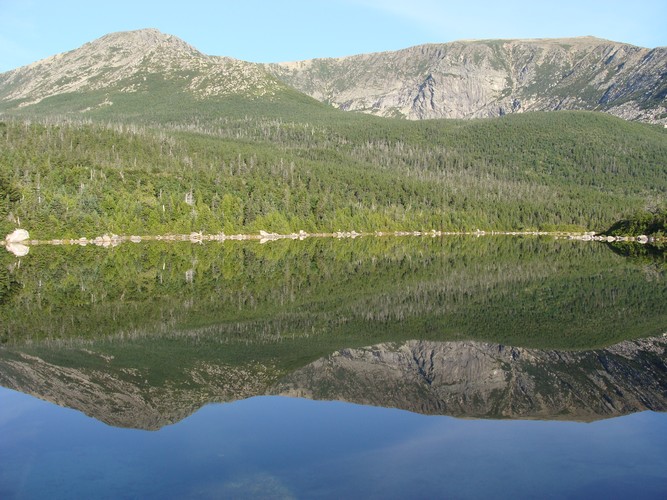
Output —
(472, 379)
(463, 379)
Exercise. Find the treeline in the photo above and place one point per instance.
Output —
(245, 173)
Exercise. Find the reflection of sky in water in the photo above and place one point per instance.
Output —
(297, 448)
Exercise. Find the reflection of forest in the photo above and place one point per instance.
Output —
(518, 291)
(143, 335)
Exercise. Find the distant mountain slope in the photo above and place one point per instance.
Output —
(471, 79)
(145, 71)
(133, 72)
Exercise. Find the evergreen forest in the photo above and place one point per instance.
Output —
(240, 168)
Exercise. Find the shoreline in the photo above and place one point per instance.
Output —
(19, 244)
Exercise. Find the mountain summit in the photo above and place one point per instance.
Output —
(467, 79)
(132, 62)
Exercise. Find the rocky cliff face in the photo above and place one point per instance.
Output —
(463, 379)
(491, 78)
(472, 379)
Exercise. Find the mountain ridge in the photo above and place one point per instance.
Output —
(462, 40)
(468, 379)
(488, 78)
(461, 79)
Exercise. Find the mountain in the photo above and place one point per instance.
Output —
(134, 74)
(488, 78)
(462, 379)
(125, 61)
(146, 72)
(120, 397)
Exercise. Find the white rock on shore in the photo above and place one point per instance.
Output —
(17, 236)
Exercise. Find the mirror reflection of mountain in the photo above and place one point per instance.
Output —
(481, 380)
(459, 378)
(143, 335)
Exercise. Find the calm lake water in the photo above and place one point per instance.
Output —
(374, 368)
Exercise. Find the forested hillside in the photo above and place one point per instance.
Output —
(327, 171)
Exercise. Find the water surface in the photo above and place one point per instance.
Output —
(460, 367)
(293, 448)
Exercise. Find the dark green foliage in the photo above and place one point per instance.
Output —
(647, 222)
(654, 254)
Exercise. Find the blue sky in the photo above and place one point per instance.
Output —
(289, 30)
